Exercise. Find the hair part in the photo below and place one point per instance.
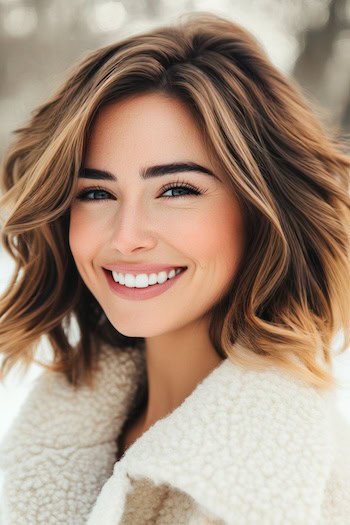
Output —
(289, 296)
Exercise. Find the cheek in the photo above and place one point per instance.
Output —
(229, 236)
(215, 237)
(81, 238)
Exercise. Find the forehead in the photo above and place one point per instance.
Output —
(147, 125)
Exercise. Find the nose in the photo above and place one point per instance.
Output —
(132, 229)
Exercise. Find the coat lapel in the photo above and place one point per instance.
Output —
(246, 446)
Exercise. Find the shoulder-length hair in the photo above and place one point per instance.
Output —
(290, 295)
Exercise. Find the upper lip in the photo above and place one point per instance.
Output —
(135, 269)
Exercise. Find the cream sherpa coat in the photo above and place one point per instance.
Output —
(245, 448)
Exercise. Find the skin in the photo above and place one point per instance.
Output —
(134, 223)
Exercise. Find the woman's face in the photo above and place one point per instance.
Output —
(133, 220)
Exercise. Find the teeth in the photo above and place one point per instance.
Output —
(143, 280)
(162, 277)
(152, 279)
(172, 273)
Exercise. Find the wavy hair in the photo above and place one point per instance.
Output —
(290, 295)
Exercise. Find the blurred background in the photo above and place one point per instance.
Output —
(308, 40)
(41, 39)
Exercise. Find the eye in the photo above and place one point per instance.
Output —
(98, 193)
(87, 194)
(182, 186)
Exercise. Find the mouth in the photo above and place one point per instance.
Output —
(148, 291)
(154, 278)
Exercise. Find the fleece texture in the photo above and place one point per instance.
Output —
(245, 448)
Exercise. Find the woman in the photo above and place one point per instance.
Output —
(179, 205)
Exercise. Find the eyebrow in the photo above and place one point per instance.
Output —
(146, 173)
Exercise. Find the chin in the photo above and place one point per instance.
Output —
(138, 325)
(132, 329)
(139, 329)
(130, 333)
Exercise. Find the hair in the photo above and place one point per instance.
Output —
(289, 296)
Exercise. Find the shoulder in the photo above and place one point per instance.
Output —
(271, 394)
(282, 409)
(285, 438)
(277, 442)
(56, 414)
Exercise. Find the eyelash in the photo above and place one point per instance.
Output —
(178, 185)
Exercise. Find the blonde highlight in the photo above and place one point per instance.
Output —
(289, 297)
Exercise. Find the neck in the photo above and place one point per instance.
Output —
(176, 363)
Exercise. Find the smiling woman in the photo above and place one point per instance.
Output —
(142, 216)
(179, 201)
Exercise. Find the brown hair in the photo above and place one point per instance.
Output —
(289, 297)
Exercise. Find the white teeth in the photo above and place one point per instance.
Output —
(152, 279)
(130, 280)
(162, 277)
(143, 280)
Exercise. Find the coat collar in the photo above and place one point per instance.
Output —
(232, 445)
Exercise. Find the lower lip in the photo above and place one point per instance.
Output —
(141, 293)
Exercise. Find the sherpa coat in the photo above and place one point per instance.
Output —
(245, 448)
